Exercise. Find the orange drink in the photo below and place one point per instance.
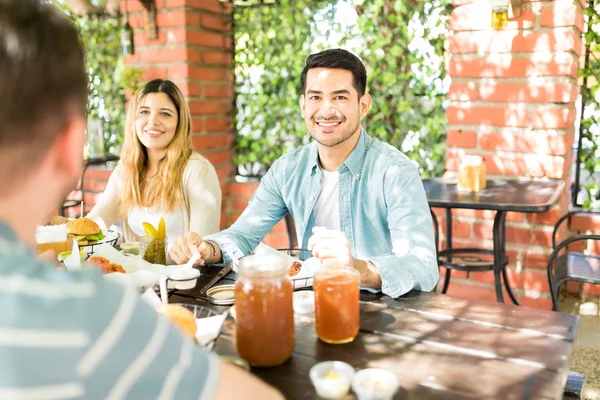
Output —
(264, 315)
(337, 304)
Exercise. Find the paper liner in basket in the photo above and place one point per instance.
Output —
(309, 266)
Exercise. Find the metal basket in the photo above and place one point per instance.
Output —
(300, 254)
(90, 248)
(203, 312)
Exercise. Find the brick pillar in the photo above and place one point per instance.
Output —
(512, 101)
(193, 48)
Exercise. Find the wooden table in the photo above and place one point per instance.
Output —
(441, 347)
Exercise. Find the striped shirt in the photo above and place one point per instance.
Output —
(77, 336)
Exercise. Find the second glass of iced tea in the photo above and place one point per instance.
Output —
(337, 304)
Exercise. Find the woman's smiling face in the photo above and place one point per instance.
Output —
(156, 122)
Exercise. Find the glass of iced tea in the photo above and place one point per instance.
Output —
(265, 333)
(337, 304)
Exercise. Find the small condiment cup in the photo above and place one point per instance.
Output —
(331, 379)
(304, 301)
(375, 384)
(182, 278)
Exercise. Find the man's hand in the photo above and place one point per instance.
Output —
(333, 249)
(186, 245)
(49, 256)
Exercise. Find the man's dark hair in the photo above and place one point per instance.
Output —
(341, 59)
(43, 81)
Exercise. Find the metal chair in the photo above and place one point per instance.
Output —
(571, 265)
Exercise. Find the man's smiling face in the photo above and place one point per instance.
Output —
(330, 106)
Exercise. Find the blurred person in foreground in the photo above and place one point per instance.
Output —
(355, 200)
(73, 335)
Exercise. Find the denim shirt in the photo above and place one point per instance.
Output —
(382, 205)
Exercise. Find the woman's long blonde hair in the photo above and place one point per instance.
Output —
(164, 189)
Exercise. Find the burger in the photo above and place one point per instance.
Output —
(181, 316)
(84, 231)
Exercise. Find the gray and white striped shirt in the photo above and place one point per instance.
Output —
(76, 336)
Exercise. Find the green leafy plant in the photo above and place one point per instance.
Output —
(589, 151)
(401, 43)
(109, 78)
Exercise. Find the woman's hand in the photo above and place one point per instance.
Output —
(186, 245)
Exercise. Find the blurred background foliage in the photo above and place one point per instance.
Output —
(586, 191)
(402, 43)
(109, 78)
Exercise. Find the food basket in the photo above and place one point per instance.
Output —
(301, 255)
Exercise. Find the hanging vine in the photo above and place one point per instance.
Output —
(401, 43)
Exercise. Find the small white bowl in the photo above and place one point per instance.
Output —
(304, 301)
(375, 384)
(331, 379)
(182, 278)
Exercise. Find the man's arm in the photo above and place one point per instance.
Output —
(246, 385)
(264, 210)
(140, 354)
(413, 264)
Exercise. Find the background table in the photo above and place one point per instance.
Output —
(500, 196)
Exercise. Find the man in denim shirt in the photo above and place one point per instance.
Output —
(355, 200)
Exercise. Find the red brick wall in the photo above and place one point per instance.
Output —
(194, 49)
(512, 101)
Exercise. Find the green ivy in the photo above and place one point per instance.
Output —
(109, 78)
(589, 156)
(402, 45)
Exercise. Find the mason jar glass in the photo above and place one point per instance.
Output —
(264, 314)
(154, 250)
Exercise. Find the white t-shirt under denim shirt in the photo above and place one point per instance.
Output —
(74, 335)
(327, 208)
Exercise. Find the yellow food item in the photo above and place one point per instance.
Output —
(180, 316)
(155, 252)
(149, 229)
(333, 375)
(161, 232)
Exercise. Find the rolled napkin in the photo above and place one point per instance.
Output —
(52, 237)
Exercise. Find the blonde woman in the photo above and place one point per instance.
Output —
(159, 175)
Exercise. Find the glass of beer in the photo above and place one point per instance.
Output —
(499, 14)
(337, 304)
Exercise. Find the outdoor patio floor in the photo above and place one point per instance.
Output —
(586, 358)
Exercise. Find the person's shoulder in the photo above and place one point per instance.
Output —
(297, 158)
(389, 155)
(37, 285)
(198, 164)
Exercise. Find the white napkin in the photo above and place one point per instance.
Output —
(309, 266)
(51, 234)
(151, 298)
(208, 328)
(73, 261)
(101, 224)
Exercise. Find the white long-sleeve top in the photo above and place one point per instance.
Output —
(201, 193)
